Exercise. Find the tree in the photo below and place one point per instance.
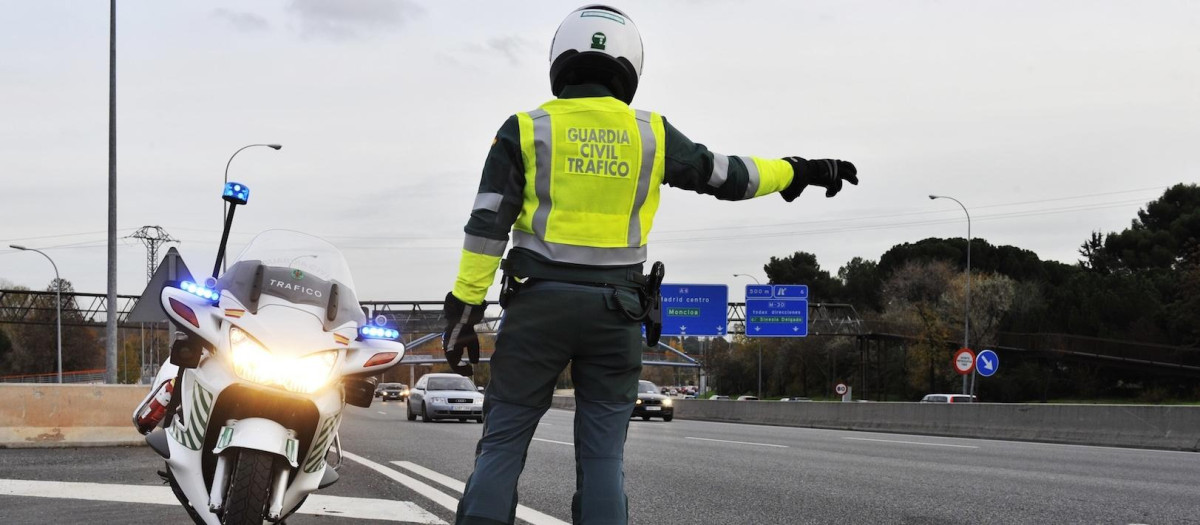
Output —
(861, 284)
(992, 296)
(913, 297)
(803, 268)
(1017, 263)
(1183, 314)
(1163, 234)
(1095, 257)
(6, 348)
(35, 345)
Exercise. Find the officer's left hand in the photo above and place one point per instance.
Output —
(459, 336)
(826, 173)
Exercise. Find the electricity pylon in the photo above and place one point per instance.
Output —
(152, 237)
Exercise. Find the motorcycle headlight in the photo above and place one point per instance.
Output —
(253, 362)
(667, 402)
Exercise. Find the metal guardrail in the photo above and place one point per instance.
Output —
(77, 377)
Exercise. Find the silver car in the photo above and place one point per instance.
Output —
(445, 396)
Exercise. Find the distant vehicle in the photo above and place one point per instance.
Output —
(747, 398)
(388, 391)
(650, 403)
(949, 398)
(719, 398)
(795, 399)
(445, 396)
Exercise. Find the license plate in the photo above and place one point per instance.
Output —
(653, 409)
(461, 409)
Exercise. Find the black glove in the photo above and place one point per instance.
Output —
(826, 173)
(460, 335)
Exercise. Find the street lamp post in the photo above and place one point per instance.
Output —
(756, 343)
(747, 275)
(225, 205)
(57, 303)
(967, 312)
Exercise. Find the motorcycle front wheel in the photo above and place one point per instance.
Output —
(249, 490)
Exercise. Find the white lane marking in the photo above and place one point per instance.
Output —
(317, 505)
(439, 497)
(910, 442)
(523, 512)
(430, 493)
(737, 442)
(432, 475)
(553, 441)
(381, 412)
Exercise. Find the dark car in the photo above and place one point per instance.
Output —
(650, 403)
(388, 391)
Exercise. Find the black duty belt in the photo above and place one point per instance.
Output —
(519, 270)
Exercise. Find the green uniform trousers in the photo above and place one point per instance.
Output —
(547, 326)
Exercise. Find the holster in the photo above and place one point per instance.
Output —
(652, 301)
(509, 286)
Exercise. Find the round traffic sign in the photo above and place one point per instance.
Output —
(840, 389)
(987, 363)
(964, 361)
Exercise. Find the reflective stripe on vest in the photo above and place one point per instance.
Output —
(593, 170)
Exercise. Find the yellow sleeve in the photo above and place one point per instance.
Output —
(476, 272)
(774, 175)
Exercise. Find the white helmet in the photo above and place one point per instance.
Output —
(597, 43)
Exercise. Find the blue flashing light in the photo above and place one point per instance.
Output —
(236, 193)
(374, 332)
(200, 291)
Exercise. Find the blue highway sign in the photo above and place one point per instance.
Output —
(776, 310)
(987, 363)
(694, 309)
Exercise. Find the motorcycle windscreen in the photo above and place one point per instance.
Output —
(296, 269)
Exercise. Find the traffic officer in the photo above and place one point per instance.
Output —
(576, 181)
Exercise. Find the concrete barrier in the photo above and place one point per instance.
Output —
(1140, 426)
(68, 415)
(98, 415)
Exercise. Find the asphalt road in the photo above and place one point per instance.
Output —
(682, 472)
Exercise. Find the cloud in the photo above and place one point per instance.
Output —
(515, 49)
(244, 22)
(349, 19)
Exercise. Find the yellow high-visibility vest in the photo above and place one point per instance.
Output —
(593, 169)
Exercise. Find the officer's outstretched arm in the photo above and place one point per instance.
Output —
(693, 167)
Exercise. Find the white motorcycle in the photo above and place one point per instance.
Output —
(269, 355)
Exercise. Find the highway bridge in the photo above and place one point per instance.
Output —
(418, 319)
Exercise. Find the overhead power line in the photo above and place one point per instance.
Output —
(410, 242)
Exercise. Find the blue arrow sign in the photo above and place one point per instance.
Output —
(987, 363)
(694, 309)
(776, 310)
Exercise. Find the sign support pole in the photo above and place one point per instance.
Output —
(759, 345)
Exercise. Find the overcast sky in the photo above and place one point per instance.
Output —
(1047, 119)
